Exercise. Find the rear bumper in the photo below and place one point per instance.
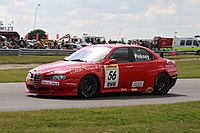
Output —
(173, 80)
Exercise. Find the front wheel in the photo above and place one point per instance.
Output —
(88, 86)
(162, 84)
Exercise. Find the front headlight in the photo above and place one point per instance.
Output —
(56, 77)
(29, 75)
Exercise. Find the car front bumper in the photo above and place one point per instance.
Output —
(64, 88)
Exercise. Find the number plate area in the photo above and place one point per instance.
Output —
(46, 82)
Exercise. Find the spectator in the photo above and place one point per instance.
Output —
(13, 43)
(55, 44)
(38, 45)
(110, 41)
(63, 43)
(21, 43)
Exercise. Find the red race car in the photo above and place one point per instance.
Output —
(104, 68)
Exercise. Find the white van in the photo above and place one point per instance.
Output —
(187, 44)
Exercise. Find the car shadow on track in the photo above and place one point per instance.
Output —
(112, 96)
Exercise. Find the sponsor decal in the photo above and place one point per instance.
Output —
(111, 66)
(74, 84)
(46, 82)
(76, 71)
(137, 84)
(93, 67)
(89, 68)
(111, 76)
(134, 89)
(140, 56)
(124, 89)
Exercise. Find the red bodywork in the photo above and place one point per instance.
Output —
(131, 76)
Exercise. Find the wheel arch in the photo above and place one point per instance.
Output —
(95, 76)
(162, 85)
(170, 77)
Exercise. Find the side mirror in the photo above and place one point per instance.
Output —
(112, 61)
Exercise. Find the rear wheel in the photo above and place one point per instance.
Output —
(162, 84)
(88, 86)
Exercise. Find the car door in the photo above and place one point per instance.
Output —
(144, 68)
(122, 69)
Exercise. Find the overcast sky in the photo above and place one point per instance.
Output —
(113, 19)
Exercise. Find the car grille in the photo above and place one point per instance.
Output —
(36, 79)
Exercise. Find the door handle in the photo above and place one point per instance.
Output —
(129, 66)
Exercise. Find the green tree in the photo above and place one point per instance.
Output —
(41, 34)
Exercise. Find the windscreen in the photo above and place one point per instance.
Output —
(88, 53)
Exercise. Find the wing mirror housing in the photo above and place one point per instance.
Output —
(112, 61)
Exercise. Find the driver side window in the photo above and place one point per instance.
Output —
(121, 55)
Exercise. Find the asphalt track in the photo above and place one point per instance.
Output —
(14, 98)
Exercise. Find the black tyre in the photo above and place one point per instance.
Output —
(162, 84)
(88, 86)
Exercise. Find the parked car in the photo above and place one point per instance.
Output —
(85, 44)
(104, 68)
(31, 43)
(74, 46)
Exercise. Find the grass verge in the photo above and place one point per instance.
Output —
(188, 69)
(13, 75)
(179, 117)
(29, 59)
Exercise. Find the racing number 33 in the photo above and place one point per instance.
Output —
(111, 76)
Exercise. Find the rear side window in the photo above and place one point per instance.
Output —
(188, 42)
(182, 42)
(141, 55)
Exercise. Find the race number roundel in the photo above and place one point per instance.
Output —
(111, 76)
